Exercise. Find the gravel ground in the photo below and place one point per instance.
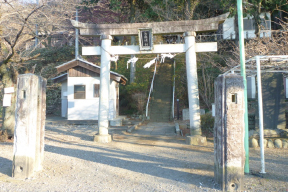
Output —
(132, 162)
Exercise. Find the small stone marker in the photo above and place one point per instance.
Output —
(185, 114)
(229, 154)
(29, 125)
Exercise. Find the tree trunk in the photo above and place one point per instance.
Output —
(132, 11)
(190, 6)
(167, 11)
(205, 96)
(8, 112)
(257, 20)
(236, 27)
(188, 9)
(133, 40)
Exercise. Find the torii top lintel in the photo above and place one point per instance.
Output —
(167, 27)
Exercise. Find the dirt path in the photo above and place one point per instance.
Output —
(132, 162)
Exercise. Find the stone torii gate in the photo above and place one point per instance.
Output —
(188, 27)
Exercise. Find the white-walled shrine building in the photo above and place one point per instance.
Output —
(80, 93)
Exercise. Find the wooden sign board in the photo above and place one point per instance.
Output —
(145, 39)
(7, 100)
(9, 90)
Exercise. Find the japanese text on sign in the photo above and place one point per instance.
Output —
(145, 39)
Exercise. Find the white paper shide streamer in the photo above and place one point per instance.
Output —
(148, 65)
(114, 58)
(163, 56)
(133, 60)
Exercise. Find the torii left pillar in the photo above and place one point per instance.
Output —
(103, 123)
(195, 137)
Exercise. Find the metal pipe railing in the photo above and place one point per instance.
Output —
(173, 96)
(151, 89)
(260, 108)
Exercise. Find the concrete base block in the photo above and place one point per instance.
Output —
(196, 140)
(103, 138)
(116, 122)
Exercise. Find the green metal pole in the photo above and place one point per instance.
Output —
(243, 73)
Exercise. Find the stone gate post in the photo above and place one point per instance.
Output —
(229, 153)
(29, 125)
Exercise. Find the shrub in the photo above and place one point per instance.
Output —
(53, 100)
(140, 100)
(207, 124)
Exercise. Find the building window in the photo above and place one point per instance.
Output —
(79, 92)
(265, 24)
(96, 90)
(249, 24)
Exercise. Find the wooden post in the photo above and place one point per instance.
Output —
(41, 116)
(29, 125)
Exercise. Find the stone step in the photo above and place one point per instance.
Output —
(157, 111)
(161, 114)
(161, 100)
(160, 110)
(162, 105)
(159, 119)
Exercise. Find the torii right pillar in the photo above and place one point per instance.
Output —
(195, 137)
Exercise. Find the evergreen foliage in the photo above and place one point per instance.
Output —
(128, 103)
(48, 58)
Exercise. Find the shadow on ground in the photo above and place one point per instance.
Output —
(6, 166)
(154, 166)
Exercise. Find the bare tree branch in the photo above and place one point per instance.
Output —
(12, 45)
